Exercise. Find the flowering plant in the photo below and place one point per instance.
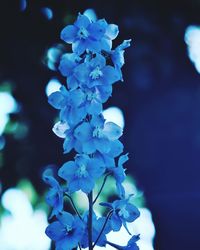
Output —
(91, 70)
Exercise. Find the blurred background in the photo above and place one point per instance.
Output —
(158, 102)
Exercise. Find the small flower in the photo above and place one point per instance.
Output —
(85, 34)
(54, 197)
(69, 103)
(67, 64)
(66, 232)
(82, 173)
(95, 135)
(123, 212)
(96, 73)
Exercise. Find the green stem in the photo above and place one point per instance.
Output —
(90, 198)
(104, 225)
(74, 206)
(102, 186)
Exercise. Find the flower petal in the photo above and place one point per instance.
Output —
(68, 34)
(112, 131)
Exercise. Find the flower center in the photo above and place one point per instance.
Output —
(91, 96)
(81, 171)
(83, 33)
(97, 132)
(68, 228)
(96, 73)
(124, 213)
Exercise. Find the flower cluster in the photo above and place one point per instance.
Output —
(90, 71)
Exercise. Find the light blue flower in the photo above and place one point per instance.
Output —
(67, 231)
(69, 103)
(85, 34)
(67, 64)
(82, 173)
(54, 197)
(96, 73)
(97, 135)
(123, 212)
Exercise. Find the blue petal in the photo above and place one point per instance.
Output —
(67, 170)
(115, 222)
(88, 147)
(106, 44)
(116, 148)
(102, 145)
(56, 99)
(74, 185)
(110, 74)
(68, 34)
(99, 60)
(66, 218)
(79, 46)
(82, 21)
(122, 160)
(68, 144)
(81, 72)
(112, 131)
(55, 231)
(86, 185)
(72, 82)
(67, 63)
(83, 132)
(98, 170)
(97, 29)
(94, 108)
(112, 31)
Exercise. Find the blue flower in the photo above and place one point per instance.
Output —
(54, 197)
(67, 64)
(69, 103)
(123, 212)
(117, 56)
(96, 73)
(97, 136)
(67, 231)
(82, 173)
(85, 34)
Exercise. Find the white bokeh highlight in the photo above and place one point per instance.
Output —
(192, 39)
(114, 114)
(23, 228)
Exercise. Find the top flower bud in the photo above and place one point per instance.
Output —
(94, 36)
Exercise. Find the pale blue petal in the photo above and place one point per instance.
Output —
(112, 31)
(79, 46)
(102, 145)
(82, 21)
(57, 100)
(110, 74)
(97, 29)
(55, 231)
(83, 132)
(112, 131)
(116, 148)
(67, 170)
(69, 33)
